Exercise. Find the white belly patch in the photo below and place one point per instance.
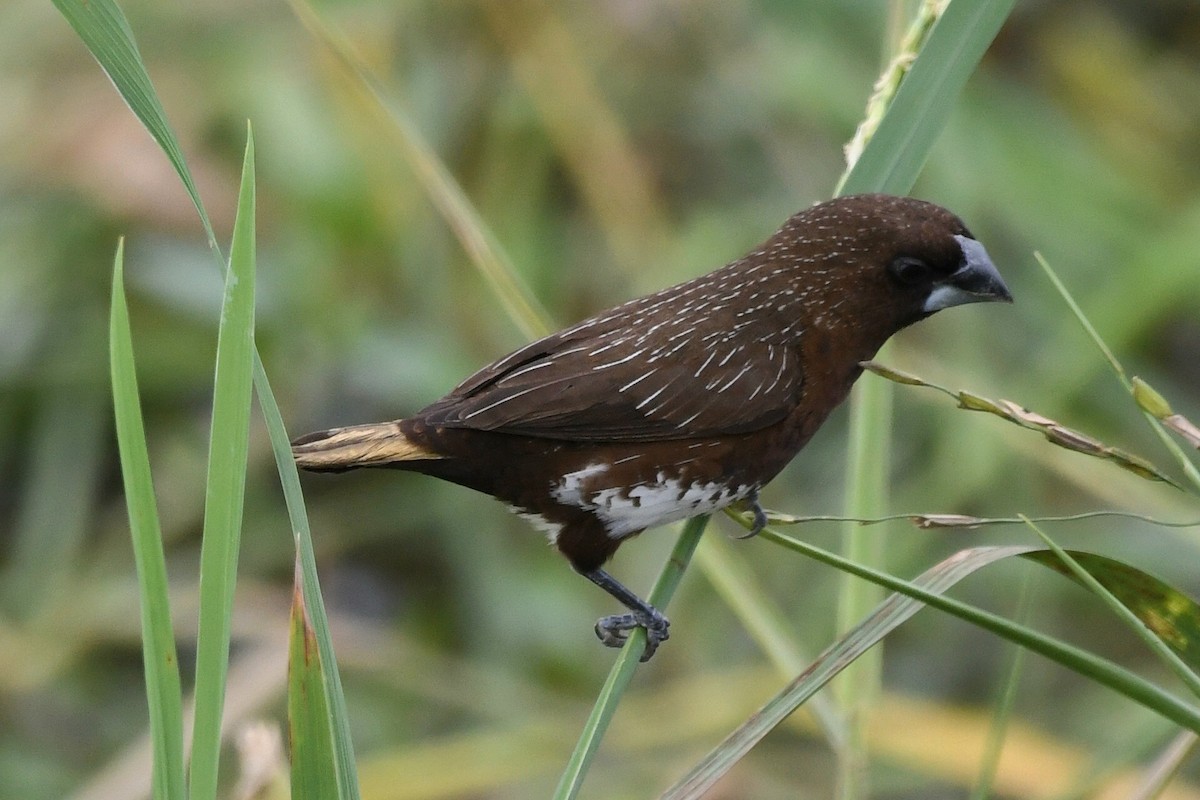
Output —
(625, 511)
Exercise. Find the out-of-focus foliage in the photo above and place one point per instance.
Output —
(614, 147)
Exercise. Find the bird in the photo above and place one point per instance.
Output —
(687, 400)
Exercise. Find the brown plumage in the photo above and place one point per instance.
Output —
(687, 400)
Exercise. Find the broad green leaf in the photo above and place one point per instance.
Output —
(1169, 614)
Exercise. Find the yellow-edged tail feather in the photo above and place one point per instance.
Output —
(374, 445)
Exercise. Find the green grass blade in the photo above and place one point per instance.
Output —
(163, 692)
(314, 762)
(1084, 322)
(893, 157)
(1140, 601)
(104, 30)
(106, 33)
(871, 630)
(1088, 665)
(911, 597)
(335, 701)
(867, 471)
(225, 489)
(735, 583)
(1185, 463)
(626, 664)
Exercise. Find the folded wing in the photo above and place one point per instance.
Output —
(614, 385)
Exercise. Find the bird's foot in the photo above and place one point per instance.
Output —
(614, 630)
(760, 517)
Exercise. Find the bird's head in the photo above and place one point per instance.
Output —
(877, 263)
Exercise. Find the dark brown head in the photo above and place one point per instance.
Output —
(868, 265)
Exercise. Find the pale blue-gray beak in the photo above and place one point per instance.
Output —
(975, 281)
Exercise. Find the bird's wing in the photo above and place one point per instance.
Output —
(618, 385)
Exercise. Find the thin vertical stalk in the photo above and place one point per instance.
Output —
(866, 496)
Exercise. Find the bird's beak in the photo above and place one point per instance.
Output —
(976, 281)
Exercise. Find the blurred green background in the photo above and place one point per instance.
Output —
(613, 148)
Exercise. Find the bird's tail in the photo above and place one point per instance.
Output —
(340, 449)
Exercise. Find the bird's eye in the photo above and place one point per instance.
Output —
(910, 271)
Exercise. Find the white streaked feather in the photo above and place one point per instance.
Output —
(502, 401)
(707, 361)
(637, 380)
(650, 399)
(527, 369)
(625, 360)
(734, 379)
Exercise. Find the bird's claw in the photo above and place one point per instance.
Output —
(614, 630)
(760, 516)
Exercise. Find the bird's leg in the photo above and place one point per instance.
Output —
(750, 503)
(614, 630)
